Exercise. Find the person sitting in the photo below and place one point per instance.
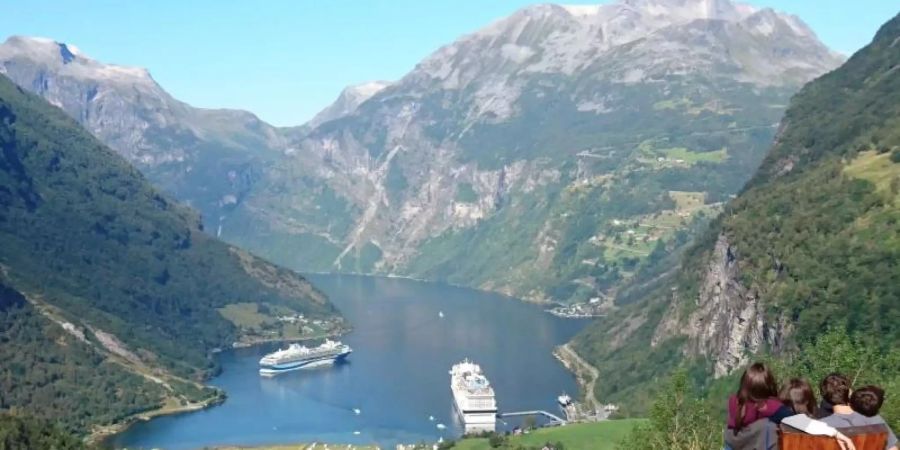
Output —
(836, 390)
(797, 394)
(754, 411)
(825, 407)
(867, 400)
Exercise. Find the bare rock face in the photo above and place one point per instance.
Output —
(727, 321)
(346, 103)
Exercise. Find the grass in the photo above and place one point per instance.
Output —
(256, 325)
(672, 104)
(583, 436)
(874, 167)
(690, 157)
(300, 447)
(244, 315)
(660, 225)
(688, 200)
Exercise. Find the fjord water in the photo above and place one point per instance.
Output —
(397, 376)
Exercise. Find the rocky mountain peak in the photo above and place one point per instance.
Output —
(66, 59)
(567, 39)
(687, 10)
(348, 100)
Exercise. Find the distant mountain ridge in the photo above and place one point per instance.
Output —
(207, 157)
(504, 160)
(347, 102)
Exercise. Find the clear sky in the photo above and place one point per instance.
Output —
(286, 59)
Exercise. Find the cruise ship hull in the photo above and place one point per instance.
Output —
(275, 369)
(476, 421)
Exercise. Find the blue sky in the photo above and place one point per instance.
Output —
(287, 59)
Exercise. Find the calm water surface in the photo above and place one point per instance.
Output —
(397, 375)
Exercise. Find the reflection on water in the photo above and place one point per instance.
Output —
(397, 375)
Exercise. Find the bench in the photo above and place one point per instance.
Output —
(869, 437)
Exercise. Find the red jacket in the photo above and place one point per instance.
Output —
(771, 408)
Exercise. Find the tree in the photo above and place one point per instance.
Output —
(895, 156)
(678, 421)
(529, 423)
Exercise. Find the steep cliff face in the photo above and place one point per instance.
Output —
(810, 243)
(727, 322)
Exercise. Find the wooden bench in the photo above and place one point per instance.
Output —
(869, 437)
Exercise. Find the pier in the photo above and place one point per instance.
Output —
(554, 419)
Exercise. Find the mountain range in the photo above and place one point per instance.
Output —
(620, 153)
(547, 155)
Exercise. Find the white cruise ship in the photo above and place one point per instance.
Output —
(473, 397)
(298, 356)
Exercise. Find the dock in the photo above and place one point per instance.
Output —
(554, 419)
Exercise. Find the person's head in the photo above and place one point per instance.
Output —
(835, 389)
(757, 385)
(867, 400)
(798, 395)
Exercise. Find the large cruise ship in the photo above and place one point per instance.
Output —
(473, 397)
(298, 356)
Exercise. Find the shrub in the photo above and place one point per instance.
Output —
(895, 155)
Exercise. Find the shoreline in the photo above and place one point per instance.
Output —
(529, 300)
(103, 433)
(265, 341)
(585, 374)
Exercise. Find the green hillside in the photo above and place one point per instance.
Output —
(815, 236)
(129, 274)
(585, 436)
(19, 433)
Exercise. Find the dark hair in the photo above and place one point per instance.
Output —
(836, 389)
(757, 385)
(798, 395)
(867, 400)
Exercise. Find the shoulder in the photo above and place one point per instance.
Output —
(875, 420)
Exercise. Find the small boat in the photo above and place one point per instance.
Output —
(441, 426)
(356, 411)
(356, 433)
(564, 400)
(441, 314)
(431, 418)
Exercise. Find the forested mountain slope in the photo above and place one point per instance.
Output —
(812, 242)
(122, 284)
(20, 433)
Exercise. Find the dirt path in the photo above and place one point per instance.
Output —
(585, 373)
